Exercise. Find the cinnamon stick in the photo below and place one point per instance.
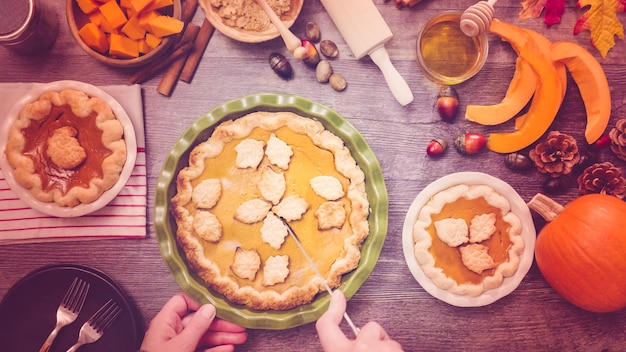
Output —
(169, 79)
(151, 70)
(199, 46)
(188, 10)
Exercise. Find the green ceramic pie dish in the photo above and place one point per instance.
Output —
(200, 131)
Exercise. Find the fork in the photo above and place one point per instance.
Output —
(68, 310)
(94, 328)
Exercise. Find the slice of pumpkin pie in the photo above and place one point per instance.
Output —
(467, 240)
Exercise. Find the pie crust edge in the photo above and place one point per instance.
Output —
(240, 129)
(422, 239)
(82, 105)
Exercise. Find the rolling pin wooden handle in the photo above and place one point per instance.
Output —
(398, 86)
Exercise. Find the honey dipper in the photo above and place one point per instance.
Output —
(477, 18)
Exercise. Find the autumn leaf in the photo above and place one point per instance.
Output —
(602, 23)
(554, 11)
(531, 9)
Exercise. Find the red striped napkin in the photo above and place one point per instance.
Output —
(124, 217)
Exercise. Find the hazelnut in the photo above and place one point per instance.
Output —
(323, 71)
(338, 82)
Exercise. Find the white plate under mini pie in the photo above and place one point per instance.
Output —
(518, 207)
(84, 208)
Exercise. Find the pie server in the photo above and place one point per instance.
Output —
(317, 272)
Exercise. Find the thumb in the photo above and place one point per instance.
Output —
(198, 325)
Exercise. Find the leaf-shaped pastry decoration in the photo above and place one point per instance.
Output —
(554, 11)
(531, 9)
(602, 23)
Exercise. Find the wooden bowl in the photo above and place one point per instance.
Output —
(76, 19)
(248, 36)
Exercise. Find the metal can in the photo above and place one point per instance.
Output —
(28, 26)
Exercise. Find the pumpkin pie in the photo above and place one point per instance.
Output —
(467, 240)
(66, 147)
(250, 173)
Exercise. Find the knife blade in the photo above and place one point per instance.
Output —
(293, 235)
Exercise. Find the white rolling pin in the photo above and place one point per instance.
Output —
(366, 32)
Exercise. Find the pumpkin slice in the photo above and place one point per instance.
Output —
(592, 84)
(545, 46)
(518, 94)
(521, 88)
(541, 113)
(546, 101)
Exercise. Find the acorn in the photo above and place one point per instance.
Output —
(312, 55)
(447, 103)
(436, 147)
(470, 143)
(312, 31)
(556, 185)
(281, 66)
(518, 162)
(588, 157)
(329, 49)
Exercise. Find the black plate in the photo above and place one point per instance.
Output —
(28, 311)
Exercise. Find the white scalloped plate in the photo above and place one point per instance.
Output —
(518, 207)
(84, 208)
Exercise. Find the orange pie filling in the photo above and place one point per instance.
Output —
(332, 249)
(444, 263)
(66, 147)
(88, 136)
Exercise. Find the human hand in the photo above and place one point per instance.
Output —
(372, 336)
(183, 325)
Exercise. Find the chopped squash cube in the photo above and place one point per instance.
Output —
(113, 13)
(122, 46)
(144, 48)
(140, 5)
(145, 17)
(98, 19)
(130, 12)
(87, 6)
(159, 4)
(94, 37)
(163, 26)
(125, 4)
(133, 30)
(152, 40)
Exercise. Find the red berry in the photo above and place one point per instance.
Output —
(602, 142)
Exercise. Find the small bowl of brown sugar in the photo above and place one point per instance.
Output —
(245, 21)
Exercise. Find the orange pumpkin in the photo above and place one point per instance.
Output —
(581, 252)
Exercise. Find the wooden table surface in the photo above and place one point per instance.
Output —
(533, 317)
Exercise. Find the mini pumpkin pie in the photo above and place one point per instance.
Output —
(250, 173)
(467, 240)
(66, 147)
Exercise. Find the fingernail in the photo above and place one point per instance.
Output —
(207, 311)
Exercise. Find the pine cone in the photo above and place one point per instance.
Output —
(618, 139)
(557, 155)
(603, 178)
